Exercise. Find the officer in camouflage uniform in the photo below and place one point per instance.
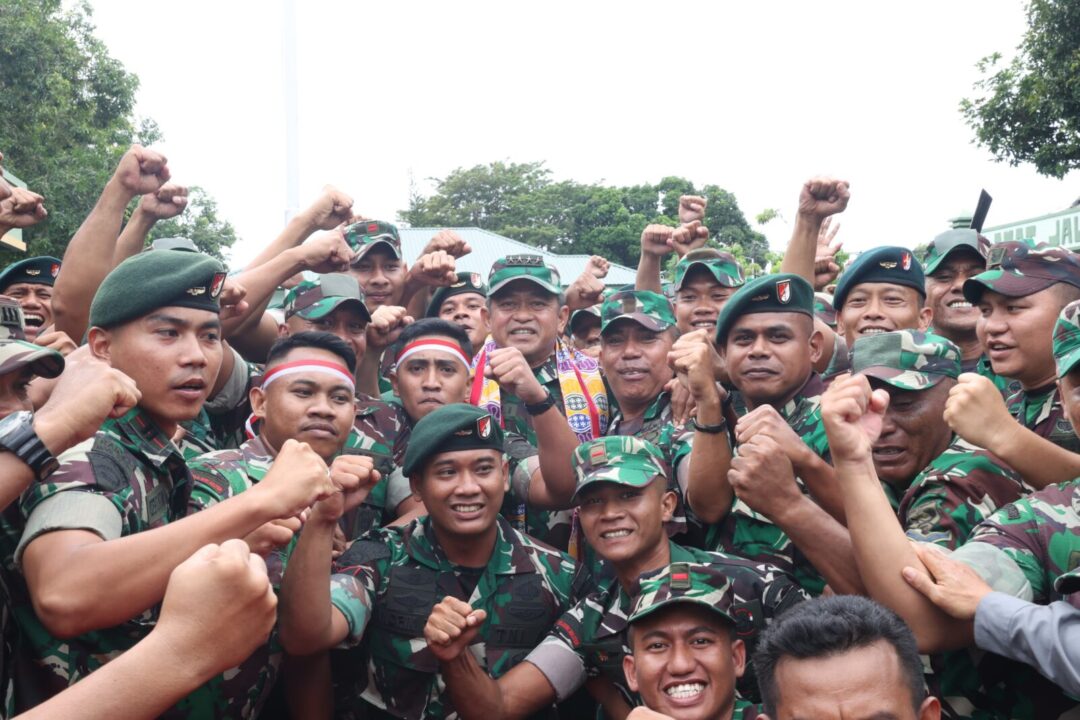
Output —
(30, 282)
(623, 502)
(388, 584)
(463, 303)
(525, 303)
(951, 259)
(881, 290)
(687, 609)
(1023, 269)
(155, 318)
(771, 367)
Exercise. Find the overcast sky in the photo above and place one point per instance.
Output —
(754, 96)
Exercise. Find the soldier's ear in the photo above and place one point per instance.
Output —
(257, 397)
(926, 316)
(628, 671)
(506, 474)
(100, 343)
(817, 345)
(668, 503)
(738, 656)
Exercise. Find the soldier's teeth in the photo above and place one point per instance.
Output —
(467, 508)
(615, 534)
(873, 331)
(960, 304)
(685, 690)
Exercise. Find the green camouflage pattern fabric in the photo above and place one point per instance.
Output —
(890, 264)
(824, 310)
(381, 431)
(746, 533)
(593, 631)
(507, 269)
(1023, 267)
(12, 322)
(619, 459)
(1066, 339)
(387, 583)
(723, 267)
(778, 293)
(953, 241)
(17, 354)
(693, 583)
(983, 367)
(315, 299)
(651, 310)
(133, 465)
(840, 362)
(364, 235)
(1040, 410)
(906, 359)
(1034, 540)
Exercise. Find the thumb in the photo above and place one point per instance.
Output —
(920, 581)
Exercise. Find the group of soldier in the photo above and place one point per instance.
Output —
(402, 490)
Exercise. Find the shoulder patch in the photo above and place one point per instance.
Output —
(363, 552)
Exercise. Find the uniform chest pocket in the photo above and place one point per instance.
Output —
(397, 633)
(520, 621)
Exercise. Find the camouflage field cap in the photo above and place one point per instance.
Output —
(690, 583)
(579, 316)
(824, 310)
(467, 282)
(36, 270)
(1023, 267)
(891, 264)
(173, 243)
(721, 265)
(783, 292)
(17, 354)
(364, 235)
(448, 429)
(906, 359)
(651, 310)
(1068, 583)
(12, 322)
(1067, 339)
(523, 267)
(314, 299)
(618, 459)
(951, 242)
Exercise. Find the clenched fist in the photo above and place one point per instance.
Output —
(823, 196)
(452, 625)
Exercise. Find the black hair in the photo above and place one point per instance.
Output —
(312, 339)
(829, 626)
(427, 327)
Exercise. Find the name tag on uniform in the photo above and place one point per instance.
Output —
(157, 504)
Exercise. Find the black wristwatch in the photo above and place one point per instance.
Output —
(17, 436)
(542, 406)
(709, 429)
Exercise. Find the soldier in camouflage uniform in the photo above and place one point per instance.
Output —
(584, 330)
(30, 282)
(704, 280)
(951, 259)
(766, 334)
(528, 378)
(623, 502)
(836, 360)
(685, 658)
(464, 303)
(386, 586)
(881, 290)
(109, 526)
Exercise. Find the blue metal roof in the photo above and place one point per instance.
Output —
(487, 247)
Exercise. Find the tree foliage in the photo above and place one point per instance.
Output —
(67, 117)
(200, 224)
(1028, 110)
(521, 201)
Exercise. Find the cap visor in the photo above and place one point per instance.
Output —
(1008, 284)
(622, 475)
(319, 310)
(374, 244)
(525, 278)
(44, 362)
(679, 600)
(647, 322)
(905, 380)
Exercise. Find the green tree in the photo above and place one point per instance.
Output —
(199, 223)
(66, 116)
(1028, 110)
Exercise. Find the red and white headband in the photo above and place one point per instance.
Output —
(325, 367)
(443, 346)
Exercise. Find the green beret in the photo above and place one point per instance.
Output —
(784, 292)
(467, 282)
(37, 270)
(447, 429)
(152, 280)
(173, 243)
(892, 265)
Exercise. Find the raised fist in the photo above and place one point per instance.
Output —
(21, 209)
(508, 367)
(452, 625)
(168, 202)
(823, 196)
(436, 269)
(297, 480)
(853, 414)
(332, 209)
(656, 240)
(689, 237)
(449, 242)
(326, 253)
(691, 208)
(141, 171)
(387, 322)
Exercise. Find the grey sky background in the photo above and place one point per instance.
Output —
(754, 96)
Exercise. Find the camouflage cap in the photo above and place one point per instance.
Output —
(467, 282)
(36, 270)
(448, 429)
(906, 359)
(618, 459)
(1023, 267)
(824, 310)
(783, 292)
(1067, 339)
(721, 265)
(691, 583)
(651, 310)
(12, 323)
(1068, 583)
(578, 316)
(364, 235)
(17, 354)
(523, 267)
(314, 299)
(951, 242)
(891, 265)
(173, 243)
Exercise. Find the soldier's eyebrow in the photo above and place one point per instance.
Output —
(654, 635)
(180, 322)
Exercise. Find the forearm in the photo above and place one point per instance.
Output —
(87, 260)
(133, 237)
(820, 479)
(882, 550)
(648, 273)
(253, 342)
(1039, 461)
(296, 231)
(304, 615)
(15, 477)
(473, 692)
(367, 374)
(825, 543)
(309, 690)
(802, 248)
(708, 491)
(556, 443)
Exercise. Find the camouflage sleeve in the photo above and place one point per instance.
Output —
(235, 390)
(358, 578)
(996, 567)
(211, 485)
(945, 509)
(1017, 531)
